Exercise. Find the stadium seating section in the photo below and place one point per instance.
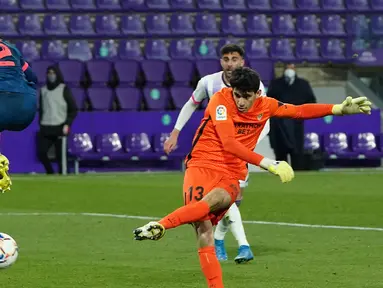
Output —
(148, 54)
(143, 147)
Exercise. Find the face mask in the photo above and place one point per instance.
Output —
(290, 76)
(52, 78)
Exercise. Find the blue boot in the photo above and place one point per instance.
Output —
(220, 250)
(244, 255)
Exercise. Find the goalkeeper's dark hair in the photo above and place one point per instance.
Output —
(245, 79)
(232, 48)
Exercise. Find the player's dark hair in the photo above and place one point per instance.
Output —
(231, 48)
(245, 79)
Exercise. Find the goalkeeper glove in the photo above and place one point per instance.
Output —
(5, 180)
(280, 168)
(359, 105)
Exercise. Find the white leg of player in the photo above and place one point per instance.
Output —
(222, 228)
(64, 156)
(236, 225)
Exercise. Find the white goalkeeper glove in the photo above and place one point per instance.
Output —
(279, 168)
(359, 105)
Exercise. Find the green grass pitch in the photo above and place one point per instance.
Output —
(78, 251)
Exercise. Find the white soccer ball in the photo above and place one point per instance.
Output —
(8, 250)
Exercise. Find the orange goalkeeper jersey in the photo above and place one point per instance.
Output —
(226, 137)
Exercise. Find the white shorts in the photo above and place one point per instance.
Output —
(244, 183)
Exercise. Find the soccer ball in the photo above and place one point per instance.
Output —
(8, 251)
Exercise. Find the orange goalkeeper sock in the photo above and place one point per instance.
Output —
(187, 214)
(210, 267)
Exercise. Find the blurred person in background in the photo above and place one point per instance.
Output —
(57, 111)
(287, 135)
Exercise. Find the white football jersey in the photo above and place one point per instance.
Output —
(210, 84)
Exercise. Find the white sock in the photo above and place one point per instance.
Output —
(222, 228)
(236, 225)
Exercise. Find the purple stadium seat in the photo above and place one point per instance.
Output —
(357, 5)
(357, 25)
(99, 71)
(79, 50)
(307, 25)
(107, 25)
(130, 49)
(256, 49)
(81, 145)
(158, 4)
(207, 66)
(212, 5)
(308, 5)
(138, 145)
(337, 146)
(377, 5)
(225, 41)
(30, 25)
(283, 24)
(257, 25)
(157, 24)
(263, 5)
(204, 49)
(7, 27)
(127, 72)
(332, 50)
(155, 71)
(312, 141)
(182, 71)
(53, 50)
(156, 49)
(108, 5)
(182, 5)
(105, 49)
(109, 145)
(180, 95)
(83, 4)
(81, 25)
(355, 46)
(333, 5)
(377, 25)
(307, 50)
(265, 68)
(132, 25)
(281, 50)
(55, 25)
(283, 5)
(79, 96)
(332, 25)
(40, 69)
(58, 5)
(156, 98)
(181, 24)
(231, 5)
(206, 24)
(32, 4)
(72, 71)
(101, 99)
(365, 144)
(9, 5)
(181, 49)
(135, 5)
(129, 98)
(232, 24)
(29, 50)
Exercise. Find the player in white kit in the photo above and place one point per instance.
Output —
(232, 57)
